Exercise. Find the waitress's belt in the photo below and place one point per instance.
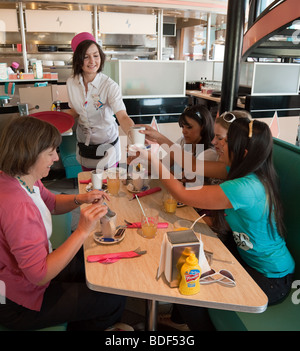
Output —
(89, 151)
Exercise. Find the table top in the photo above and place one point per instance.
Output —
(136, 277)
(199, 94)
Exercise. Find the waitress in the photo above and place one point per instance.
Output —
(95, 99)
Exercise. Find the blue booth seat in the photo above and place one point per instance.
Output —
(67, 150)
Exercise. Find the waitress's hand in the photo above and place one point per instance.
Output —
(94, 196)
(89, 216)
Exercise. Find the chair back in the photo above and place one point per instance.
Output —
(9, 88)
(286, 159)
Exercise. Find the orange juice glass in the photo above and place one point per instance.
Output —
(149, 223)
(114, 176)
(170, 204)
(113, 186)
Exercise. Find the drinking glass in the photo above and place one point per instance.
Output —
(170, 204)
(149, 223)
(113, 180)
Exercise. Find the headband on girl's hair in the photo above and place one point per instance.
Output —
(197, 113)
(250, 128)
(191, 110)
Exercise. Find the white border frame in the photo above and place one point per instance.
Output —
(183, 94)
(270, 93)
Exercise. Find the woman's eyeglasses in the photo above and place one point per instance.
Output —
(228, 117)
(223, 277)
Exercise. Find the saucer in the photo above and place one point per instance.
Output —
(180, 204)
(130, 188)
(107, 241)
(89, 187)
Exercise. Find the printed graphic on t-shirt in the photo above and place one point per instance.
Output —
(97, 102)
(243, 241)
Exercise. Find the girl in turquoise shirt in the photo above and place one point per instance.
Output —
(250, 198)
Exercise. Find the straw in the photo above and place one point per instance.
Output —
(142, 209)
(197, 220)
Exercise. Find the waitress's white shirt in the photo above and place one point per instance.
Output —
(96, 107)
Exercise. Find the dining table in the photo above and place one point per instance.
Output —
(137, 277)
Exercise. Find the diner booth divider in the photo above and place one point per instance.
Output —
(285, 315)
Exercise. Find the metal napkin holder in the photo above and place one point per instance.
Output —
(175, 243)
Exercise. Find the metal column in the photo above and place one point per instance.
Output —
(233, 51)
(151, 315)
(160, 19)
(208, 29)
(95, 23)
(22, 29)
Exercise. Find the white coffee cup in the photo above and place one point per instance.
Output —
(138, 183)
(97, 177)
(135, 136)
(138, 179)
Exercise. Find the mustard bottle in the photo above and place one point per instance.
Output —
(181, 261)
(190, 275)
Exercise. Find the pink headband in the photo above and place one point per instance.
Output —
(80, 38)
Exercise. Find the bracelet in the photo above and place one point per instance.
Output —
(76, 201)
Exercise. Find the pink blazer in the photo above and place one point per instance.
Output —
(23, 243)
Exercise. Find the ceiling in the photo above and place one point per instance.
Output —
(173, 8)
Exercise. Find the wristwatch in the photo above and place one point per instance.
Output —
(76, 201)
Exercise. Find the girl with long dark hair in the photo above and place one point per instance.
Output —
(250, 198)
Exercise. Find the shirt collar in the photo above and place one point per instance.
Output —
(95, 83)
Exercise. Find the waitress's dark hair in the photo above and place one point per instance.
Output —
(255, 137)
(79, 54)
(203, 117)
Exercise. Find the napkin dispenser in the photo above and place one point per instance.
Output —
(176, 246)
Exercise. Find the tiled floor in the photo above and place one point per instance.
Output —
(135, 311)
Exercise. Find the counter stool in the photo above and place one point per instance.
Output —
(44, 84)
(9, 89)
(67, 150)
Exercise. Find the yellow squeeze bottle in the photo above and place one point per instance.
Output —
(190, 275)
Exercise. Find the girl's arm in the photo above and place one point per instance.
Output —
(210, 197)
(155, 136)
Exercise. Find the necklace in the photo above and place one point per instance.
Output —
(25, 185)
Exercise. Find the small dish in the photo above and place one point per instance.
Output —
(131, 189)
(89, 187)
(180, 204)
(107, 241)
